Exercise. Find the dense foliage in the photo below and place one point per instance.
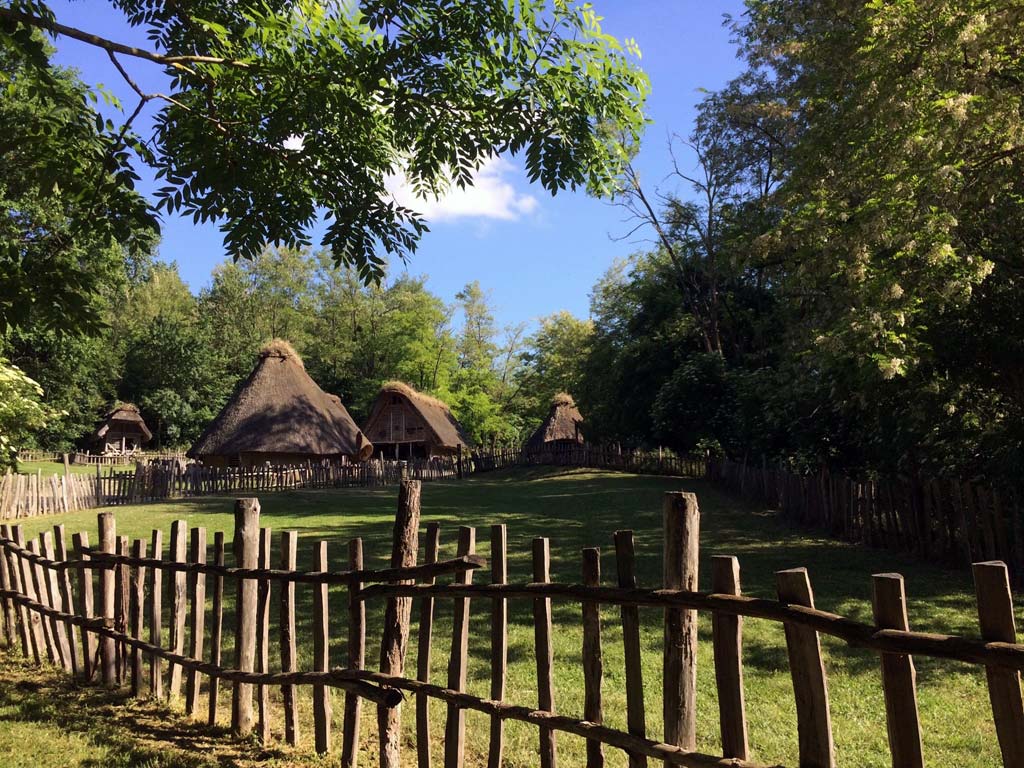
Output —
(840, 278)
(280, 112)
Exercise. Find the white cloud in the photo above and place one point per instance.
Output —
(492, 196)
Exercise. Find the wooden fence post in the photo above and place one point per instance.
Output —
(625, 563)
(86, 603)
(51, 587)
(356, 657)
(107, 545)
(593, 664)
(263, 638)
(14, 576)
(321, 657)
(455, 723)
(197, 617)
(246, 550)
(727, 639)
(138, 597)
(995, 617)
(433, 547)
(67, 595)
(24, 568)
(217, 629)
(10, 617)
(543, 649)
(289, 552)
(156, 618)
(179, 529)
(810, 686)
(499, 640)
(395, 635)
(889, 602)
(681, 546)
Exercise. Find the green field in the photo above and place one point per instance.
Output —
(57, 468)
(49, 722)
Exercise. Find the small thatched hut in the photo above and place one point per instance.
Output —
(404, 423)
(123, 431)
(561, 427)
(280, 415)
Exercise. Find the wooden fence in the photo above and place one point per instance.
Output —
(943, 520)
(101, 614)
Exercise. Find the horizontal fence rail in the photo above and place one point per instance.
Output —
(101, 612)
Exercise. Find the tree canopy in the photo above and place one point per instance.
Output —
(278, 113)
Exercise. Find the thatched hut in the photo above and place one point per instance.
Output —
(280, 415)
(561, 427)
(122, 432)
(404, 423)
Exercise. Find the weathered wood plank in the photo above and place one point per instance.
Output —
(727, 639)
(455, 722)
(889, 602)
(810, 685)
(593, 663)
(636, 721)
(499, 641)
(681, 531)
(246, 550)
(197, 617)
(289, 553)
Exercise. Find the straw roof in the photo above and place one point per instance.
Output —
(126, 417)
(279, 409)
(435, 413)
(562, 423)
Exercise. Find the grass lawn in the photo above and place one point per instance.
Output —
(57, 468)
(53, 723)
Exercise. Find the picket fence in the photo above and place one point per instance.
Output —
(101, 614)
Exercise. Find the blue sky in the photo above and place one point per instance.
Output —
(535, 254)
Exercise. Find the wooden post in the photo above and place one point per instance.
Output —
(423, 654)
(356, 657)
(321, 660)
(10, 615)
(263, 638)
(995, 617)
(810, 685)
(289, 551)
(179, 598)
(544, 649)
(39, 587)
(455, 723)
(395, 636)
(14, 575)
(499, 640)
(107, 544)
(625, 563)
(197, 617)
(218, 627)
(681, 545)
(137, 599)
(122, 607)
(593, 664)
(66, 596)
(727, 640)
(80, 541)
(156, 618)
(58, 628)
(35, 624)
(246, 549)
(459, 460)
(889, 601)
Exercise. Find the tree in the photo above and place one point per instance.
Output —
(276, 112)
(555, 359)
(67, 221)
(21, 411)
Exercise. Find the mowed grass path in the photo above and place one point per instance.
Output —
(54, 723)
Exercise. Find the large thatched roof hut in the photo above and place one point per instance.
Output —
(404, 423)
(122, 431)
(561, 427)
(280, 415)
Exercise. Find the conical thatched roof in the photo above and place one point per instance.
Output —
(448, 433)
(279, 409)
(124, 415)
(562, 423)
